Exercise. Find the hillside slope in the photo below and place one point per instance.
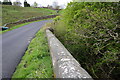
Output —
(15, 13)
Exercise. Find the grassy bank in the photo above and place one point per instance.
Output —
(36, 63)
(15, 13)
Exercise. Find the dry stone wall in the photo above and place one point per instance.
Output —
(29, 20)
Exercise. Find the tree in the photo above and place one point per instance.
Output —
(10, 3)
(35, 4)
(6, 2)
(17, 3)
(26, 4)
(55, 5)
(91, 31)
(49, 7)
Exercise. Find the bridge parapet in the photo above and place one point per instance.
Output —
(64, 64)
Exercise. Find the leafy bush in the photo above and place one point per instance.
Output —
(26, 4)
(7, 3)
(91, 32)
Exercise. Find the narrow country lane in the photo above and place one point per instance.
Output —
(14, 43)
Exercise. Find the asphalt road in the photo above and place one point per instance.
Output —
(14, 45)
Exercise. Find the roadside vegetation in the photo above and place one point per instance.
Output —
(15, 13)
(36, 63)
(91, 32)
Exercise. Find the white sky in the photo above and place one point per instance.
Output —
(44, 2)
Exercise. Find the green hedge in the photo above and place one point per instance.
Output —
(91, 32)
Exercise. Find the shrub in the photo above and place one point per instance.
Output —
(91, 32)
(7, 3)
(26, 4)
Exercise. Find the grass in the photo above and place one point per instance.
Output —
(15, 13)
(36, 63)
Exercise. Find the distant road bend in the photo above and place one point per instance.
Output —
(14, 44)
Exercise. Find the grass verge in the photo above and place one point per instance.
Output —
(36, 63)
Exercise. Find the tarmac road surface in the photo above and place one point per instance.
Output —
(14, 44)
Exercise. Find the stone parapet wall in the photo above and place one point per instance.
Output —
(64, 64)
